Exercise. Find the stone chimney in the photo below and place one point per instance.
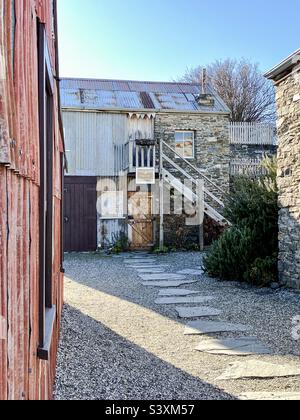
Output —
(205, 99)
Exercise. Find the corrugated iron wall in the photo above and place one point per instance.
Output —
(90, 140)
(22, 374)
(95, 141)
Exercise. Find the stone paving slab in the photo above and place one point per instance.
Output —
(200, 311)
(243, 346)
(150, 270)
(182, 300)
(138, 255)
(191, 272)
(140, 261)
(177, 292)
(138, 266)
(171, 283)
(270, 396)
(212, 327)
(166, 276)
(256, 369)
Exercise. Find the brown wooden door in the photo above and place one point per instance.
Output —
(140, 219)
(80, 214)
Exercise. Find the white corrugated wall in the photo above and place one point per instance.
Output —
(96, 145)
(140, 128)
(90, 141)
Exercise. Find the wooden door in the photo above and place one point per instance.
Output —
(80, 214)
(140, 219)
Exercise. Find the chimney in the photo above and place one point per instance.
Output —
(204, 81)
(205, 99)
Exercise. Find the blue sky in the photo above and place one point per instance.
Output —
(159, 39)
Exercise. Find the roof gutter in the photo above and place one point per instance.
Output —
(284, 67)
(144, 111)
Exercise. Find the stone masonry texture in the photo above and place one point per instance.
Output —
(245, 151)
(211, 154)
(288, 104)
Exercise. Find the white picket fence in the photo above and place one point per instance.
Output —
(253, 134)
(249, 167)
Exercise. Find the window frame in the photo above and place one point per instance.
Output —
(176, 142)
(47, 311)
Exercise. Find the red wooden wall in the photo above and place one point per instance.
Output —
(22, 374)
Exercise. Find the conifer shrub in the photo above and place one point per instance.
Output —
(248, 250)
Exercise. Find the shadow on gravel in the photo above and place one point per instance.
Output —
(111, 276)
(95, 363)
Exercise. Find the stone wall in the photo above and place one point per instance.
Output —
(212, 152)
(288, 103)
(212, 155)
(245, 151)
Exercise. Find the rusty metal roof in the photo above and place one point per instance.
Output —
(92, 94)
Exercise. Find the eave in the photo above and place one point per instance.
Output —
(143, 111)
(284, 68)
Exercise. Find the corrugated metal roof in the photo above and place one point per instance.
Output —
(121, 94)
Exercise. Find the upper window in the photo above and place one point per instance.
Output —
(184, 144)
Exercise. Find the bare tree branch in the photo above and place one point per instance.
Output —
(249, 96)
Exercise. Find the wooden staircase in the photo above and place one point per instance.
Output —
(212, 205)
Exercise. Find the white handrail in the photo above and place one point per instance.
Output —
(185, 174)
(195, 169)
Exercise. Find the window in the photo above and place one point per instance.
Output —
(47, 311)
(184, 144)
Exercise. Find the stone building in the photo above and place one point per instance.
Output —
(144, 139)
(117, 133)
(286, 77)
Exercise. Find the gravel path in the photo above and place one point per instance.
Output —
(118, 344)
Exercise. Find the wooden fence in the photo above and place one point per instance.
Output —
(253, 134)
(248, 167)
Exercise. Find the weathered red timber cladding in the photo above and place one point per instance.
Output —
(22, 374)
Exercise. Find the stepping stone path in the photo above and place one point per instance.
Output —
(177, 292)
(147, 266)
(139, 261)
(210, 327)
(187, 299)
(191, 272)
(171, 283)
(197, 312)
(270, 396)
(167, 276)
(153, 275)
(256, 369)
(244, 346)
(150, 270)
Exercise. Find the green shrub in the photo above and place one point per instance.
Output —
(163, 250)
(229, 256)
(120, 243)
(254, 206)
(248, 250)
(263, 271)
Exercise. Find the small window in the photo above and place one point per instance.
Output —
(184, 144)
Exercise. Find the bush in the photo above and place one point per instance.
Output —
(263, 271)
(248, 250)
(229, 256)
(163, 250)
(120, 243)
